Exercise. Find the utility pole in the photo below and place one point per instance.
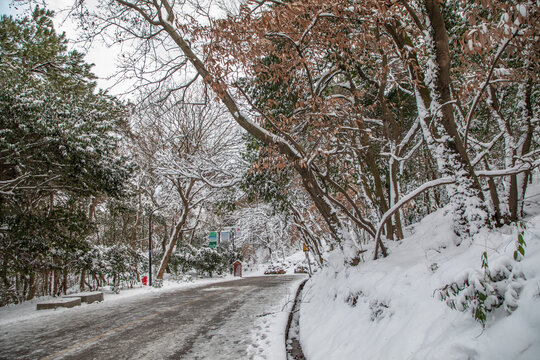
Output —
(306, 251)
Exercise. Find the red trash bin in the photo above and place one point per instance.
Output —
(145, 280)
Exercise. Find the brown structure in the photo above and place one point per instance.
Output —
(237, 268)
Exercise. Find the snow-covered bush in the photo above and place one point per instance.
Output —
(485, 290)
(378, 309)
(204, 260)
(121, 264)
(116, 265)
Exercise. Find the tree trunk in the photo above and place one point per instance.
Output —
(56, 282)
(322, 204)
(513, 199)
(83, 275)
(494, 198)
(392, 131)
(438, 126)
(92, 209)
(4, 273)
(175, 236)
(528, 128)
(442, 54)
(65, 280)
(394, 183)
(32, 284)
(48, 281)
(379, 191)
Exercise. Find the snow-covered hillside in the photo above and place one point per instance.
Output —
(391, 308)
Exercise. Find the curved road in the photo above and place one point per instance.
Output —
(207, 322)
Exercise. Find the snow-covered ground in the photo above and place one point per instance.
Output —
(389, 308)
(268, 329)
(27, 310)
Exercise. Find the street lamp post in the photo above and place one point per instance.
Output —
(150, 245)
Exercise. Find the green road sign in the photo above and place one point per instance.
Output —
(212, 239)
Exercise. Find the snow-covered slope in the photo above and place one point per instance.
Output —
(390, 308)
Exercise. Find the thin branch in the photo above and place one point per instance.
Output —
(498, 55)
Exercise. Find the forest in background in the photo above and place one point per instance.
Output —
(360, 118)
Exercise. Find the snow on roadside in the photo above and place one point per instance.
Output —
(27, 310)
(269, 329)
(388, 309)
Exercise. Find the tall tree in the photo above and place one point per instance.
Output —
(190, 152)
(58, 142)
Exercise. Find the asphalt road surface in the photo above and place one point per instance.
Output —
(208, 322)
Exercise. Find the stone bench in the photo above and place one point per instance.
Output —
(62, 302)
(87, 297)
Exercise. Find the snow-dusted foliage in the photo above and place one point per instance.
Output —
(58, 150)
(482, 291)
(57, 131)
(204, 260)
(497, 284)
(363, 128)
(117, 266)
(265, 235)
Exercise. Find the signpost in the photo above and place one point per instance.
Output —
(306, 251)
(212, 239)
(227, 235)
(224, 236)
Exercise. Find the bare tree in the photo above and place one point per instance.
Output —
(191, 151)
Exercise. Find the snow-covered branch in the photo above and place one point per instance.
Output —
(524, 166)
(418, 191)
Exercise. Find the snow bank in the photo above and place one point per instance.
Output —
(388, 309)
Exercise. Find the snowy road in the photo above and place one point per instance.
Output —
(209, 322)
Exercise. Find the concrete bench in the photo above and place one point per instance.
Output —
(87, 297)
(63, 302)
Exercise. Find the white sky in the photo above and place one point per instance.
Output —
(103, 58)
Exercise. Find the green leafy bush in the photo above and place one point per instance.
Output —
(494, 286)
